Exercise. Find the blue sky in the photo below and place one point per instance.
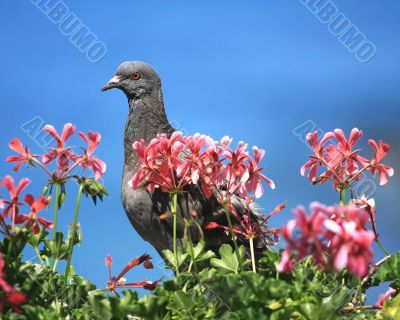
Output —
(254, 72)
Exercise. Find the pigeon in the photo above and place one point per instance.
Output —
(145, 209)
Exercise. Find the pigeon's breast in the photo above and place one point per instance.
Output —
(143, 209)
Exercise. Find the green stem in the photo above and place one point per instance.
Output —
(55, 264)
(191, 266)
(277, 273)
(57, 195)
(228, 219)
(382, 247)
(360, 308)
(73, 234)
(174, 211)
(39, 256)
(253, 258)
(358, 295)
(190, 244)
(343, 198)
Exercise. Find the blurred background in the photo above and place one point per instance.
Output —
(254, 72)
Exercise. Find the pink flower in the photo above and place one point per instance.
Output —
(319, 157)
(148, 158)
(119, 282)
(25, 155)
(285, 264)
(88, 160)
(334, 236)
(160, 160)
(14, 298)
(192, 165)
(385, 297)
(341, 161)
(173, 163)
(375, 165)
(213, 169)
(31, 219)
(170, 149)
(6, 287)
(350, 246)
(236, 170)
(61, 152)
(346, 148)
(255, 176)
(12, 205)
(303, 234)
(164, 161)
(247, 226)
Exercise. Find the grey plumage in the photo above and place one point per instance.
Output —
(146, 118)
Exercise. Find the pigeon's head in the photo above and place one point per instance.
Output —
(135, 78)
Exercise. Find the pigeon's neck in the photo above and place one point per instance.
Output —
(146, 119)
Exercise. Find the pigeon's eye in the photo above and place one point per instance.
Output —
(136, 76)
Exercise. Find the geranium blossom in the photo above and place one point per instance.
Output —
(172, 163)
(375, 166)
(87, 160)
(334, 236)
(67, 160)
(319, 158)
(12, 205)
(13, 297)
(236, 171)
(341, 163)
(345, 147)
(61, 152)
(254, 182)
(160, 160)
(285, 264)
(303, 236)
(25, 155)
(31, 219)
(246, 226)
(119, 282)
(192, 166)
(350, 246)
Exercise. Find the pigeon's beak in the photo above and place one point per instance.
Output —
(113, 83)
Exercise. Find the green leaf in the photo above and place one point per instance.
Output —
(199, 253)
(169, 255)
(100, 304)
(328, 307)
(229, 260)
(36, 239)
(57, 248)
(388, 271)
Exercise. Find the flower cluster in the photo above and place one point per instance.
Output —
(247, 227)
(67, 160)
(11, 207)
(172, 163)
(343, 165)
(8, 293)
(119, 282)
(334, 236)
